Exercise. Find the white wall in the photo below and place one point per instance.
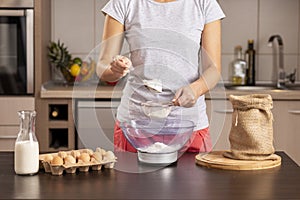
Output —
(78, 24)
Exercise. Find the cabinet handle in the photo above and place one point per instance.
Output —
(12, 13)
(230, 111)
(8, 137)
(296, 112)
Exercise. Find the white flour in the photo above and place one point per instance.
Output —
(162, 113)
(159, 147)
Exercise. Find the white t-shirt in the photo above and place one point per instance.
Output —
(164, 44)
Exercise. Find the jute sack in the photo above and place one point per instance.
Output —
(251, 134)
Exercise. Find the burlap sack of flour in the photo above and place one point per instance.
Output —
(251, 134)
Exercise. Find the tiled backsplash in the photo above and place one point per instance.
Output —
(78, 23)
(258, 20)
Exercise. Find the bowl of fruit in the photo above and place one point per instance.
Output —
(67, 69)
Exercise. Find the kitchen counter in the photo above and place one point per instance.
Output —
(182, 180)
(91, 91)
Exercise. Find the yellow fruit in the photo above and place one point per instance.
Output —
(75, 70)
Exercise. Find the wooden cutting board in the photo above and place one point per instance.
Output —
(216, 159)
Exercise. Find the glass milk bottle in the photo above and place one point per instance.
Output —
(26, 146)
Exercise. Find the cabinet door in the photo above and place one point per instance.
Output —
(95, 125)
(286, 128)
(9, 120)
(69, 17)
(280, 125)
(220, 116)
(292, 133)
(8, 136)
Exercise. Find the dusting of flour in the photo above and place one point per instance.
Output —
(159, 147)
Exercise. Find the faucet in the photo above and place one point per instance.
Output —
(278, 59)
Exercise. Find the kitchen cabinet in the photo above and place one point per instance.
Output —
(219, 114)
(65, 12)
(90, 117)
(90, 21)
(9, 120)
(286, 128)
(95, 123)
(42, 36)
(55, 125)
(66, 124)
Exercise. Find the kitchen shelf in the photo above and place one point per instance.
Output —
(56, 133)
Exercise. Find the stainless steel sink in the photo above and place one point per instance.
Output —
(249, 88)
(262, 87)
(293, 87)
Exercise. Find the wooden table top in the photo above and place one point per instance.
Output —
(131, 180)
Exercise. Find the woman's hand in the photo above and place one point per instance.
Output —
(185, 97)
(120, 66)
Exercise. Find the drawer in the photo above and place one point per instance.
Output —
(9, 107)
(8, 136)
(97, 114)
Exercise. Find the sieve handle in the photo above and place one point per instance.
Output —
(296, 112)
(229, 111)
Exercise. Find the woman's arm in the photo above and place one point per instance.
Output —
(211, 59)
(112, 40)
(211, 63)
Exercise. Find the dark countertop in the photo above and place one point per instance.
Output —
(182, 180)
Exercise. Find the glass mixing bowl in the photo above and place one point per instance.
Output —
(158, 141)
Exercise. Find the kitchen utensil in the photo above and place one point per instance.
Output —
(154, 85)
(157, 109)
(158, 141)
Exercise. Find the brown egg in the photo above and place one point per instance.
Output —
(62, 154)
(75, 153)
(57, 161)
(102, 151)
(97, 156)
(109, 155)
(69, 159)
(88, 151)
(84, 157)
(48, 158)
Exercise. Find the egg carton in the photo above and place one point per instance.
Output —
(80, 166)
(71, 169)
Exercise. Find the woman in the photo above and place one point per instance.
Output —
(165, 39)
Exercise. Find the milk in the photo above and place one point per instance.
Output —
(26, 157)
